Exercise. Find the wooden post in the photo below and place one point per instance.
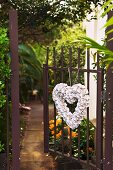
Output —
(13, 32)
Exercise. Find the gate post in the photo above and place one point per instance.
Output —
(13, 32)
(99, 119)
(109, 105)
(109, 116)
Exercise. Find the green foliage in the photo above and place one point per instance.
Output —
(30, 64)
(107, 55)
(49, 11)
(4, 64)
(109, 22)
(64, 47)
(107, 7)
(2, 96)
(74, 134)
(69, 36)
(1, 147)
(4, 76)
(30, 70)
(83, 140)
(93, 44)
(40, 52)
(41, 17)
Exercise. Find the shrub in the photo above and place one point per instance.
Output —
(4, 75)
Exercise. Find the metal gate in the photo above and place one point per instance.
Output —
(102, 155)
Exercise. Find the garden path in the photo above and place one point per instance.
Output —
(32, 156)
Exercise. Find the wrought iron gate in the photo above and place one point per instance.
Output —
(63, 70)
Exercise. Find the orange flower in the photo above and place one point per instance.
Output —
(52, 132)
(74, 134)
(58, 121)
(51, 121)
(51, 126)
(59, 134)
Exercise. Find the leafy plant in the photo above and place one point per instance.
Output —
(1, 147)
(63, 48)
(39, 18)
(30, 70)
(4, 76)
(83, 140)
(107, 54)
(4, 64)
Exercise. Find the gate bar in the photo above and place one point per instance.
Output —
(13, 33)
(99, 117)
(45, 104)
(54, 72)
(78, 74)
(62, 79)
(88, 87)
(7, 124)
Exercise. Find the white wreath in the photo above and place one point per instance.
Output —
(62, 93)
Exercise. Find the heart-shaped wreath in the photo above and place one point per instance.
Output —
(63, 94)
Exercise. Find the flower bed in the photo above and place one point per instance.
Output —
(74, 134)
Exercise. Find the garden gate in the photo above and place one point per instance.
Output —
(102, 154)
(103, 159)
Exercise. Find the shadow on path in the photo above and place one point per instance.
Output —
(32, 156)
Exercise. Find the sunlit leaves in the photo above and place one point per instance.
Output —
(109, 22)
(102, 49)
(45, 15)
